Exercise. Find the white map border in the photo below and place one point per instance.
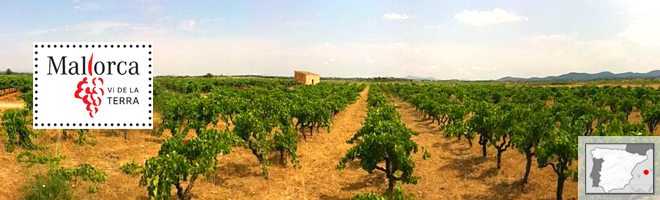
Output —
(582, 140)
(609, 148)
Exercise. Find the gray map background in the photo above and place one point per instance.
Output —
(583, 174)
(639, 181)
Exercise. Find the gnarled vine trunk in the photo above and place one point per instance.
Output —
(528, 166)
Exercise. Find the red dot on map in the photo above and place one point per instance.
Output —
(646, 172)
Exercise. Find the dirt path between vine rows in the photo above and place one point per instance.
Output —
(456, 171)
(239, 177)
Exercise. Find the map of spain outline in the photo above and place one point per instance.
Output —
(612, 168)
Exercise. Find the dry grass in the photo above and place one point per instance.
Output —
(10, 101)
(109, 151)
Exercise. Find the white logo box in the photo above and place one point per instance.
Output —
(119, 92)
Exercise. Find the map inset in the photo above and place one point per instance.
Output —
(619, 168)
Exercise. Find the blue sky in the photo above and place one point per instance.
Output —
(441, 39)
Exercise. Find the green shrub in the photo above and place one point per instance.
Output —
(86, 172)
(50, 186)
(32, 159)
(368, 196)
(15, 124)
(92, 188)
(396, 194)
(81, 136)
(132, 168)
(27, 98)
(183, 162)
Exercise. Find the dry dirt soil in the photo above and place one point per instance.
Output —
(10, 101)
(454, 171)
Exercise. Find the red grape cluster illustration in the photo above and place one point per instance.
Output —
(90, 91)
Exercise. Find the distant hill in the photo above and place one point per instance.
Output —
(574, 76)
(419, 78)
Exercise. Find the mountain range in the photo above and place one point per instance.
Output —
(430, 78)
(575, 76)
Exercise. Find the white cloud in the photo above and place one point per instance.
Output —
(552, 37)
(533, 56)
(643, 31)
(485, 18)
(95, 28)
(191, 24)
(541, 55)
(163, 18)
(553, 40)
(217, 19)
(188, 24)
(477, 68)
(432, 27)
(153, 8)
(149, 31)
(645, 26)
(85, 6)
(40, 31)
(636, 7)
(395, 16)
(296, 23)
